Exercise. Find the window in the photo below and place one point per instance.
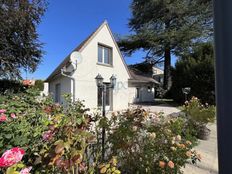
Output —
(137, 92)
(104, 55)
(100, 97)
(57, 93)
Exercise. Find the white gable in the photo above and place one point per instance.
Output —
(88, 69)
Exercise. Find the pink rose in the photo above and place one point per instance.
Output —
(3, 118)
(26, 170)
(13, 115)
(2, 111)
(11, 157)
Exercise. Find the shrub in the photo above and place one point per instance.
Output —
(198, 113)
(55, 139)
(59, 139)
(39, 84)
(149, 143)
(195, 70)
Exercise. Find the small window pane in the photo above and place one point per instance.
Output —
(100, 50)
(107, 96)
(106, 55)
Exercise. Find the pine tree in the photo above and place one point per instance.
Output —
(164, 28)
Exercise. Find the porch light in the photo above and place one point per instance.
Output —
(99, 80)
(113, 81)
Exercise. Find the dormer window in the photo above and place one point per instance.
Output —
(104, 55)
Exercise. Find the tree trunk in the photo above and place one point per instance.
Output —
(167, 68)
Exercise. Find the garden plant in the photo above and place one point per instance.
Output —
(38, 136)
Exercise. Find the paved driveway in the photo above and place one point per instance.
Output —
(207, 149)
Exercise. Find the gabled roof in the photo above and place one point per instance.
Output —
(81, 46)
(140, 77)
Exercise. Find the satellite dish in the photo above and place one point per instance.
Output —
(76, 57)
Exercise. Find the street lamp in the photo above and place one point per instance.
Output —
(186, 91)
(99, 81)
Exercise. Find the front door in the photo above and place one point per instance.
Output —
(108, 99)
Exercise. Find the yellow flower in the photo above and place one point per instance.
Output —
(152, 135)
(173, 148)
(181, 145)
(103, 170)
(178, 138)
(189, 153)
(188, 142)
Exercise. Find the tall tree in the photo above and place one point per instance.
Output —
(195, 70)
(20, 48)
(164, 28)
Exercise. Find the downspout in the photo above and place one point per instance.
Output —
(73, 79)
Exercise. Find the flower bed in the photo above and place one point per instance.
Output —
(38, 136)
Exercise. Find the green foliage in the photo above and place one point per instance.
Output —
(198, 113)
(143, 141)
(39, 84)
(11, 86)
(60, 139)
(195, 70)
(20, 48)
(56, 139)
(166, 27)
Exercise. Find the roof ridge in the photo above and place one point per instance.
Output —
(78, 48)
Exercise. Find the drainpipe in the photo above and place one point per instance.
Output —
(73, 79)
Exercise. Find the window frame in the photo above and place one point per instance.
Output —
(103, 59)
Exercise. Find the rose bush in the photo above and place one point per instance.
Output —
(67, 139)
(149, 143)
(56, 139)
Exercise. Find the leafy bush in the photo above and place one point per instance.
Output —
(59, 139)
(149, 143)
(198, 113)
(55, 139)
(39, 84)
(11, 86)
(195, 70)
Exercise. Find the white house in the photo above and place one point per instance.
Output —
(99, 54)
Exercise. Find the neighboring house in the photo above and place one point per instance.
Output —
(100, 55)
(143, 85)
(158, 74)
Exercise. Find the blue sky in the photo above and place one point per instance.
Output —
(67, 23)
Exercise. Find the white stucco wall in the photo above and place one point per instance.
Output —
(144, 95)
(65, 86)
(133, 95)
(88, 69)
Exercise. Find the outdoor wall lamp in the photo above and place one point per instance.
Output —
(99, 82)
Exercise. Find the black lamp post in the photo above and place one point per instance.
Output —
(186, 91)
(99, 81)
